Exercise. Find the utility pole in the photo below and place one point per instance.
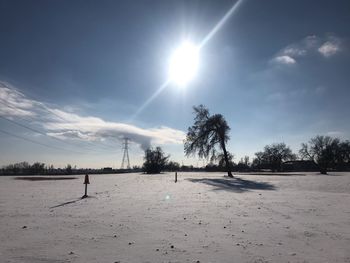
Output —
(126, 159)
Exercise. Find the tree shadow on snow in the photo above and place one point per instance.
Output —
(236, 185)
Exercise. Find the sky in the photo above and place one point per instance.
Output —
(75, 76)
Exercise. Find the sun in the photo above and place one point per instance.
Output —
(184, 64)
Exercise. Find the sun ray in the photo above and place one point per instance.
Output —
(150, 99)
(222, 21)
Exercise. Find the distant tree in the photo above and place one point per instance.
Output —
(22, 168)
(273, 156)
(246, 161)
(222, 161)
(18, 168)
(69, 169)
(155, 160)
(172, 166)
(326, 152)
(206, 134)
(186, 168)
(136, 168)
(50, 169)
(243, 164)
(37, 168)
(343, 155)
(211, 167)
(258, 160)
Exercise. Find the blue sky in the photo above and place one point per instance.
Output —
(78, 71)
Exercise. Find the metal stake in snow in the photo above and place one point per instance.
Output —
(86, 182)
(175, 177)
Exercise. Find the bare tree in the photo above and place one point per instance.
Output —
(246, 161)
(222, 160)
(274, 155)
(322, 150)
(207, 134)
(69, 169)
(37, 168)
(343, 156)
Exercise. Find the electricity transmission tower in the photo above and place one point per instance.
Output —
(126, 159)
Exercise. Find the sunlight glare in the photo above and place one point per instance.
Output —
(184, 64)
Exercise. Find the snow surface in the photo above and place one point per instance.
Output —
(204, 217)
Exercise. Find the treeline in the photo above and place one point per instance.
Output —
(37, 168)
(321, 153)
(25, 168)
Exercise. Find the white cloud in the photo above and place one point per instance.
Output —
(64, 125)
(326, 46)
(290, 53)
(71, 126)
(287, 60)
(329, 48)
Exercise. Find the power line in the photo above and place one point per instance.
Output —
(43, 106)
(42, 133)
(34, 130)
(37, 131)
(35, 142)
(91, 143)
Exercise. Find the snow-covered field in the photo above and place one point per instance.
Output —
(205, 217)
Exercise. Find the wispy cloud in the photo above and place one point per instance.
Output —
(71, 126)
(326, 46)
(14, 103)
(294, 52)
(302, 47)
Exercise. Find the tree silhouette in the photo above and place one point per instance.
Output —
(68, 169)
(207, 134)
(172, 166)
(222, 160)
(343, 155)
(155, 160)
(274, 155)
(323, 151)
(37, 168)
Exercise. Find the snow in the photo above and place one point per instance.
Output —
(204, 217)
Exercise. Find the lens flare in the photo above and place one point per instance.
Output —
(184, 64)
